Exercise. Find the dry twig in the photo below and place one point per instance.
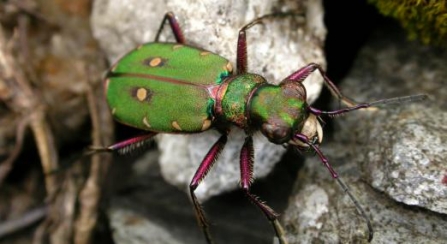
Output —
(91, 193)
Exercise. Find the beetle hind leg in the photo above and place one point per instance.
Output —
(175, 27)
(126, 146)
(246, 166)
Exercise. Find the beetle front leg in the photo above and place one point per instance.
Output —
(246, 167)
(175, 27)
(200, 174)
(301, 74)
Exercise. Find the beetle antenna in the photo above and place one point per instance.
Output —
(335, 115)
(378, 103)
(399, 100)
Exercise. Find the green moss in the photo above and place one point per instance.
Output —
(425, 20)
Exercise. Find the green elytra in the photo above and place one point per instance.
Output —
(176, 88)
(164, 87)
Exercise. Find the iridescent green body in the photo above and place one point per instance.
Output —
(172, 88)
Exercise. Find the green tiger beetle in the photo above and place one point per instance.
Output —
(174, 88)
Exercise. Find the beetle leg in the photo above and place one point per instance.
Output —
(125, 146)
(324, 160)
(175, 27)
(200, 174)
(301, 74)
(246, 166)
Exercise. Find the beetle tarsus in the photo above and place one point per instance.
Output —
(279, 231)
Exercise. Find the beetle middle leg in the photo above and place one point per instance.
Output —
(246, 167)
(200, 174)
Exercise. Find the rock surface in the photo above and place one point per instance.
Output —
(393, 158)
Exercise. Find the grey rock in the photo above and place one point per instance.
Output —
(405, 157)
(320, 212)
(393, 158)
(402, 147)
(276, 49)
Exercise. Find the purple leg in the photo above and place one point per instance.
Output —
(301, 74)
(175, 27)
(126, 146)
(246, 167)
(200, 174)
(324, 160)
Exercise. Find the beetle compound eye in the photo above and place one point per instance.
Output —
(275, 133)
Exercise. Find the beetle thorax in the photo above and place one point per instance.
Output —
(232, 98)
